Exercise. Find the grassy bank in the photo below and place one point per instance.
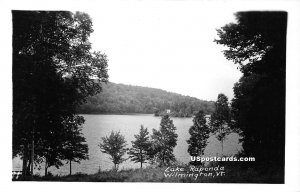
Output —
(233, 174)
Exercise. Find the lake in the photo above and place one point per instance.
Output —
(97, 126)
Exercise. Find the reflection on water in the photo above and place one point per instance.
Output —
(97, 126)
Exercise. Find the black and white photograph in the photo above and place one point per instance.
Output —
(153, 92)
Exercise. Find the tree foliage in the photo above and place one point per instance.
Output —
(199, 132)
(140, 147)
(115, 146)
(257, 43)
(120, 98)
(74, 147)
(53, 72)
(163, 142)
(220, 120)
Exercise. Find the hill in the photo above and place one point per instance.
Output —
(120, 98)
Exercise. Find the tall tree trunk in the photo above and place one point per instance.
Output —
(70, 167)
(24, 165)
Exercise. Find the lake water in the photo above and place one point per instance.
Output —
(97, 126)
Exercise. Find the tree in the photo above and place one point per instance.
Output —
(220, 119)
(140, 147)
(257, 43)
(199, 132)
(115, 146)
(164, 140)
(54, 72)
(74, 149)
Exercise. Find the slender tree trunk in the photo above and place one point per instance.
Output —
(163, 158)
(70, 167)
(222, 147)
(28, 166)
(32, 147)
(24, 165)
(32, 152)
(25, 160)
(141, 159)
(46, 167)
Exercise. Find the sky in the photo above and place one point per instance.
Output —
(165, 45)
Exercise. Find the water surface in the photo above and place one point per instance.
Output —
(97, 126)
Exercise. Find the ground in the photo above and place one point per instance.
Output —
(232, 174)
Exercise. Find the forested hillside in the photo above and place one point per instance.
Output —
(120, 98)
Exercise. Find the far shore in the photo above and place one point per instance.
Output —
(127, 114)
(116, 114)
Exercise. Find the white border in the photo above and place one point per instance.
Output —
(292, 176)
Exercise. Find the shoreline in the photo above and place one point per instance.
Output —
(148, 114)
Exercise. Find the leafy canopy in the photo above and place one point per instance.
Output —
(164, 141)
(140, 147)
(54, 71)
(199, 132)
(257, 43)
(115, 146)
